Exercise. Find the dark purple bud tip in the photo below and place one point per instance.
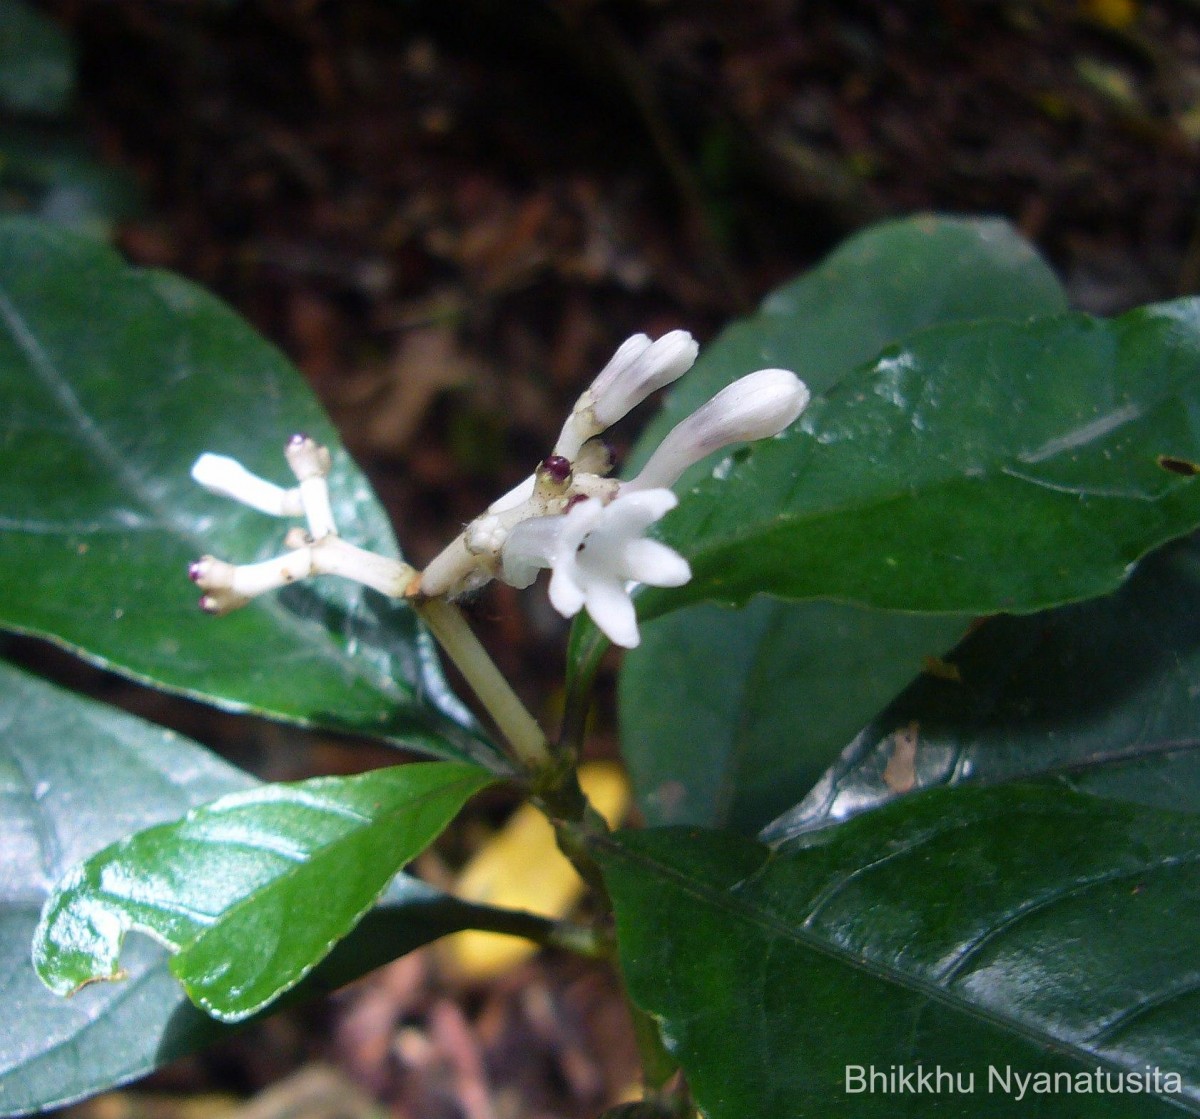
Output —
(208, 604)
(195, 571)
(556, 468)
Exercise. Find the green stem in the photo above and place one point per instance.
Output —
(579, 939)
(554, 780)
(519, 727)
(585, 651)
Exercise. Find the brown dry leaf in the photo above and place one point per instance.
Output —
(900, 774)
(314, 1092)
(385, 407)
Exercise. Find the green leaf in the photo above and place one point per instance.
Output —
(976, 467)
(1101, 693)
(115, 380)
(252, 890)
(877, 287)
(75, 776)
(1028, 928)
(728, 718)
(53, 176)
(37, 62)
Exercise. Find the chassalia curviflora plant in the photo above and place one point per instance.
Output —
(907, 697)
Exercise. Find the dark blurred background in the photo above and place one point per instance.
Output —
(450, 213)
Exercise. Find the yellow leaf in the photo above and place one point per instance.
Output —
(521, 867)
(1119, 14)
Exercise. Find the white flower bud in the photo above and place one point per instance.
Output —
(226, 477)
(756, 406)
(638, 368)
(311, 463)
(229, 586)
(618, 392)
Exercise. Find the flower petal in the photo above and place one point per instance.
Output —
(632, 513)
(612, 610)
(531, 545)
(655, 564)
(566, 593)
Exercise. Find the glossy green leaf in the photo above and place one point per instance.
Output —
(1022, 929)
(1102, 694)
(75, 776)
(879, 286)
(37, 61)
(728, 718)
(114, 381)
(252, 890)
(976, 467)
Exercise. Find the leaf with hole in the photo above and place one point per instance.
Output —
(1101, 694)
(729, 718)
(230, 888)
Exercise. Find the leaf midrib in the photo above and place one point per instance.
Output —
(316, 855)
(806, 938)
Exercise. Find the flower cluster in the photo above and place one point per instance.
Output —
(569, 516)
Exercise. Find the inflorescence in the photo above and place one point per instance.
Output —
(569, 516)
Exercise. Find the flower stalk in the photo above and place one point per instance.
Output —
(524, 735)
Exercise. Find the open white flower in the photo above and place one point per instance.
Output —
(569, 515)
(598, 552)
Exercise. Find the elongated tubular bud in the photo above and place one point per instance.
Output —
(758, 405)
(665, 360)
(226, 477)
(311, 463)
(638, 368)
(335, 556)
(227, 586)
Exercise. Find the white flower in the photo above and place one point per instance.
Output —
(638, 368)
(754, 407)
(597, 553)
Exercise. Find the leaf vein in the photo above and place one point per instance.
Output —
(1034, 906)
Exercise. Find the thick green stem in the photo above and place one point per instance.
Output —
(554, 780)
(579, 939)
(519, 727)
